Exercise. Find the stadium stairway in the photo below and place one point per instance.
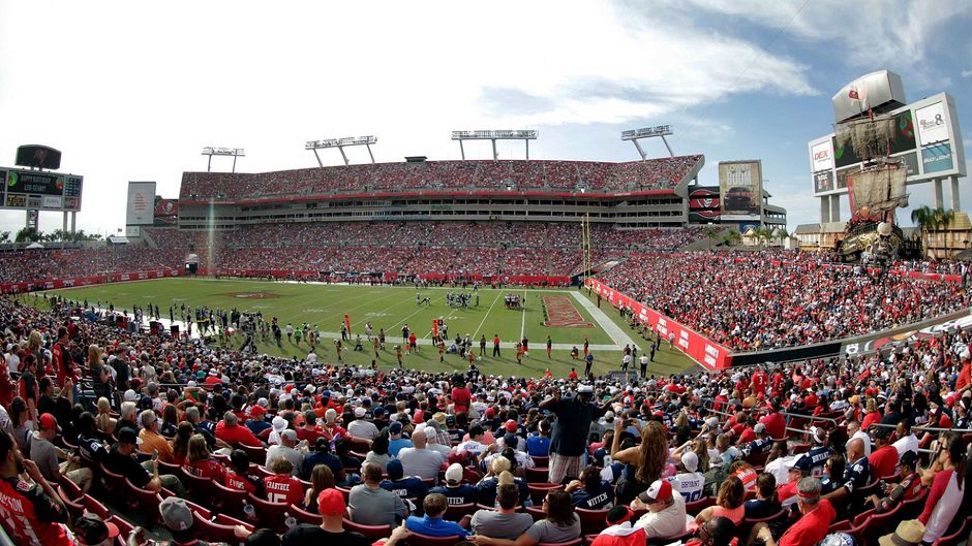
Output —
(706, 243)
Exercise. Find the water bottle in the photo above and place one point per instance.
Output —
(249, 511)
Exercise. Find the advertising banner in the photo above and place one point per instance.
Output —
(932, 125)
(141, 204)
(936, 157)
(740, 188)
(709, 354)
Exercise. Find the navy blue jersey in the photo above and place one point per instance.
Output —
(856, 475)
(812, 462)
(758, 446)
(603, 497)
(464, 494)
(406, 488)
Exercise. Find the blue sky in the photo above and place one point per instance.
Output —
(132, 91)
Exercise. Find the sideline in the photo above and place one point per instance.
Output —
(620, 337)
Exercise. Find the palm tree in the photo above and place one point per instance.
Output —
(733, 237)
(783, 234)
(27, 235)
(923, 218)
(4, 236)
(943, 221)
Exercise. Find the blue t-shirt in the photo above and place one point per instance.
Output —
(435, 527)
(394, 446)
(538, 446)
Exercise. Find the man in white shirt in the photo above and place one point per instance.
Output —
(474, 445)
(855, 432)
(419, 460)
(286, 450)
(690, 481)
(666, 517)
(362, 428)
(907, 441)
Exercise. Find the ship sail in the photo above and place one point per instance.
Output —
(880, 188)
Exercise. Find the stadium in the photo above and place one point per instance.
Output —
(499, 352)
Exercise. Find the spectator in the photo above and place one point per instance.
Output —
(432, 524)
(370, 504)
(729, 503)
(200, 464)
(689, 482)
(321, 479)
(817, 515)
(419, 460)
(645, 462)
(396, 442)
(561, 524)
(281, 486)
(766, 503)
(454, 490)
(506, 522)
(567, 443)
(230, 431)
(331, 506)
(151, 441)
(379, 451)
(884, 459)
(361, 427)
(666, 511)
(45, 454)
(286, 450)
(410, 487)
(34, 516)
(121, 459)
(946, 477)
(91, 530)
(590, 492)
(620, 531)
(907, 441)
(908, 487)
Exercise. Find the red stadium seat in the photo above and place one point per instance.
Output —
(417, 539)
(371, 532)
(592, 521)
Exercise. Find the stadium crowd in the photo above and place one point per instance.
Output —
(767, 300)
(653, 174)
(218, 446)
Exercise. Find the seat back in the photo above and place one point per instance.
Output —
(576, 542)
(227, 499)
(94, 506)
(956, 537)
(211, 531)
(371, 532)
(592, 521)
(537, 475)
(271, 514)
(75, 507)
(417, 539)
(124, 530)
(455, 512)
(303, 516)
(693, 508)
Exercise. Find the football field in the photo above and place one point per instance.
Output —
(568, 316)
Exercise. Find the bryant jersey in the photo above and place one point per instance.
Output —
(813, 461)
(29, 516)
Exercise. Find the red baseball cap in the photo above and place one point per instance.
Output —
(257, 410)
(331, 503)
(658, 491)
(511, 426)
(48, 422)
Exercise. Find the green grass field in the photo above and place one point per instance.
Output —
(392, 307)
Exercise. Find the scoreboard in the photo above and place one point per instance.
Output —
(40, 190)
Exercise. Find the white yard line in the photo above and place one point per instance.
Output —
(488, 311)
(619, 336)
(523, 316)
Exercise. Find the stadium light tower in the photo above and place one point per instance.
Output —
(525, 135)
(232, 152)
(340, 144)
(634, 135)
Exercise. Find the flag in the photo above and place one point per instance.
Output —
(347, 323)
(854, 94)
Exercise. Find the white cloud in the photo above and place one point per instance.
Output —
(134, 92)
(867, 33)
(967, 73)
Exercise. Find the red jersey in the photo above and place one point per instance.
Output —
(29, 516)
(811, 528)
(235, 481)
(309, 434)
(461, 398)
(237, 434)
(58, 362)
(883, 461)
(282, 488)
(206, 469)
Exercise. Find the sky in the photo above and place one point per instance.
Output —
(134, 90)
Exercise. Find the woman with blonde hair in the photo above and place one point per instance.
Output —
(104, 421)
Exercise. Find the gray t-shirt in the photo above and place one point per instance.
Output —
(295, 457)
(492, 524)
(42, 452)
(423, 463)
(547, 531)
(374, 506)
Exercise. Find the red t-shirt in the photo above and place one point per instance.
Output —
(461, 398)
(870, 419)
(883, 461)
(811, 528)
(236, 435)
(282, 488)
(775, 425)
(311, 435)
